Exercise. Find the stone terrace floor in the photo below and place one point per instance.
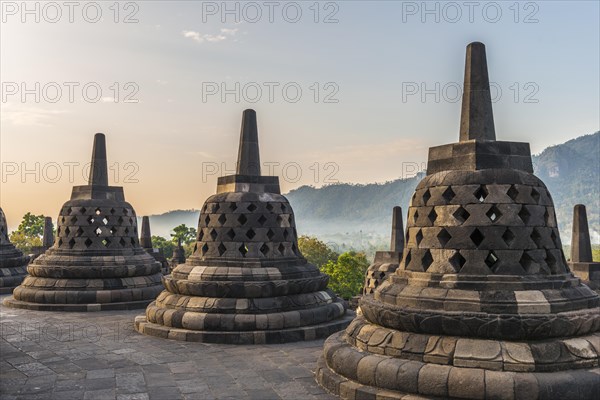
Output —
(98, 355)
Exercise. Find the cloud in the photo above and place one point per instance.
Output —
(29, 116)
(200, 38)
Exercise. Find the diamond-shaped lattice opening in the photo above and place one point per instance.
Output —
(71, 243)
(416, 215)
(133, 241)
(106, 242)
(230, 234)
(67, 231)
(554, 238)
(205, 249)
(264, 249)
(536, 237)
(262, 219)
(281, 248)
(524, 215)
(279, 220)
(233, 206)
(113, 230)
(105, 220)
(508, 236)
(73, 220)
(419, 237)
(126, 211)
(88, 242)
(79, 232)
(290, 220)
(69, 211)
(426, 196)
(217, 207)
(427, 260)
(82, 210)
(251, 207)
(286, 234)
(512, 192)
(552, 262)
(126, 230)
(122, 242)
(546, 216)
(493, 213)
(491, 260)
(448, 194)
(98, 231)
(457, 261)
(270, 234)
(97, 211)
(112, 211)
(269, 206)
(535, 195)
(207, 220)
(481, 193)
(242, 219)
(243, 249)
(526, 262)
(250, 233)
(90, 220)
(60, 242)
(407, 259)
(461, 214)
(444, 236)
(213, 234)
(283, 208)
(200, 235)
(63, 220)
(477, 237)
(222, 219)
(432, 215)
(222, 249)
(130, 221)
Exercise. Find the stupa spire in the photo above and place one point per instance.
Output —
(581, 248)
(146, 236)
(477, 119)
(98, 168)
(397, 230)
(248, 162)
(48, 237)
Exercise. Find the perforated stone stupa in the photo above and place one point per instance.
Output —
(386, 262)
(146, 243)
(483, 305)
(96, 262)
(246, 281)
(12, 260)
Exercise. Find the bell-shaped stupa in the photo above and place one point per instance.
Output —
(386, 262)
(246, 281)
(483, 305)
(12, 260)
(96, 262)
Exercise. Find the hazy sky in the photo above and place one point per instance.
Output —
(379, 86)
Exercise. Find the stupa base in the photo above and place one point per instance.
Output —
(353, 374)
(299, 334)
(128, 305)
(7, 290)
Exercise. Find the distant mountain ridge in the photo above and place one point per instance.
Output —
(570, 170)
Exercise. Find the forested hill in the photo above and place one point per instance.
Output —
(570, 170)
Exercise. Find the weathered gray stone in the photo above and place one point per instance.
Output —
(12, 261)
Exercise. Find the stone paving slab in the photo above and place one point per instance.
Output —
(56, 355)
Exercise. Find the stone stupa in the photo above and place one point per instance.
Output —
(12, 260)
(96, 262)
(246, 281)
(47, 239)
(581, 263)
(483, 305)
(386, 262)
(146, 243)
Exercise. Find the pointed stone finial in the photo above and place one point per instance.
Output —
(48, 238)
(397, 230)
(146, 236)
(581, 247)
(248, 162)
(477, 119)
(98, 168)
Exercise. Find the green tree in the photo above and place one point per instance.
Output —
(184, 234)
(159, 242)
(29, 233)
(347, 274)
(315, 251)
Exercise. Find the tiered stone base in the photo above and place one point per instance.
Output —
(273, 336)
(89, 283)
(368, 361)
(12, 268)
